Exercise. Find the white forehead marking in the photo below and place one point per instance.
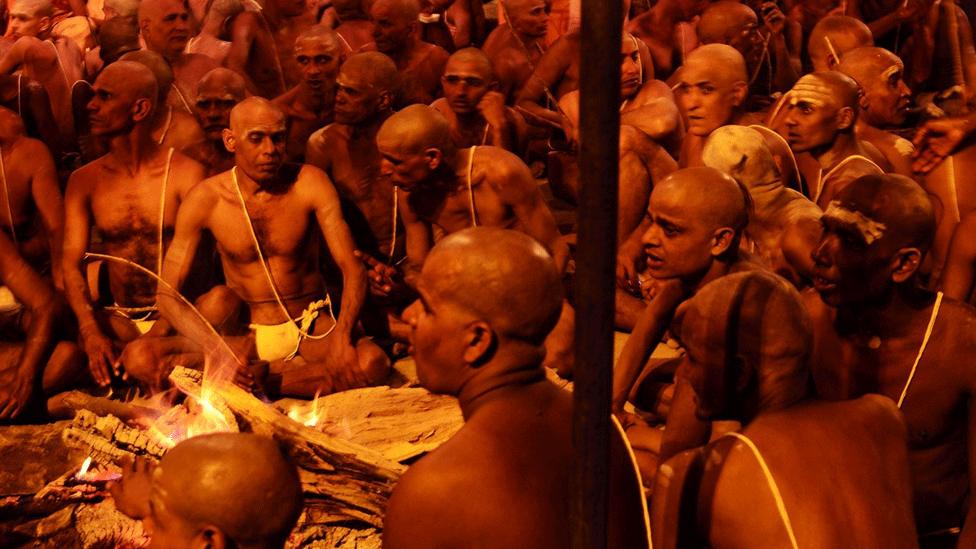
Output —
(871, 230)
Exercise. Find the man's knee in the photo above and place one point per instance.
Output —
(142, 361)
(220, 305)
(373, 361)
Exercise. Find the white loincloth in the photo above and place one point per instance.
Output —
(281, 341)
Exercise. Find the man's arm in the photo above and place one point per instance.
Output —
(50, 204)
(39, 298)
(338, 237)
(420, 239)
(77, 226)
(537, 89)
(241, 41)
(513, 182)
(17, 54)
(191, 219)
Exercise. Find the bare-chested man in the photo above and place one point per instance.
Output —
(488, 298)
(748, 341)
(444, 189)
(218, 92)
(832, 37)
(213, 40)
(253, 53)
(130, 198)
(32, 199)
(666, 30)
(877, 331)
(516, 47)
(53, 61)
(266, 217)
(171, 126)
(288, 19)
(355, 30)
(346, 150)
(472, 106)
(308, 106)
(820, 114)
(884, 102)
(784, 226)
(165, 27)
(420, 64)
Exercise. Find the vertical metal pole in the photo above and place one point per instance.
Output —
(600, 38)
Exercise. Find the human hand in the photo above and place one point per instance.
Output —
(16, 387)
(131, 492)
(936, 140)
(629, 257)
(773, 18)
(101, 355)
(343, 360)
(492, 108)
(382, 277)
(569, 130)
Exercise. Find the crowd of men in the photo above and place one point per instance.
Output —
(334, 184)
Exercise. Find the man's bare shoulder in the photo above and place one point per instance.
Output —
(86, 174)
(189, 170)
(501, 168)
(199, 60)
(432, 53)
(370, 46)
(249, 20)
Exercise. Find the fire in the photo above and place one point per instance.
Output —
(84, 468)
(309, 418)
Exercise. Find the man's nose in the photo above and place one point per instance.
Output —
(410, 313)
(650, 237)
(386, 168)
(821, 254)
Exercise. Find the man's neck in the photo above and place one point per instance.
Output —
(530, 42)
(718, 269)
(314, 99)
(132, 150)
(402, 54)
(499, 376)
(891, 316)
(367, 129)
(844, 145)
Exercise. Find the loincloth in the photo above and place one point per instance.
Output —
(143, 318)
(281, 341)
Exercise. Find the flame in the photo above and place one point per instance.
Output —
(84, 468)
(310, 418)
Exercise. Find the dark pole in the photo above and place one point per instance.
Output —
(600, 38)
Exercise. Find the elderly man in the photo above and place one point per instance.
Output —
(748, 340)
(420, 64)
(53, 61)
(282, 300)
(884, 102)
(472, 106)
(516, 46)
(165, 27)
(877, 331)
(488, 298)
(218, 490)
(308, 106)
(129, 197)
(346, 150)
(217, 93)
(820, 115)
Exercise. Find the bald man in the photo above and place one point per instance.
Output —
(819, 117)
(53, 61)
(116, 37)
(832, 37)
(253, 53)
(516, 46)
(346, 150)
(165, 28)
(287, 19)
(129, 197)
(772, 64)
(784, 226)
(420, 64)
(474, 108)
(217, 93)
(697, 219)
(748, 341)
(171, 126)
(271, 273)
(884, 102)
(309, 105)
(221, 489)
(877, 331)
(444, 189)
(488, 298)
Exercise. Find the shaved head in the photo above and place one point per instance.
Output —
(372, 68)
(718, 60)
(742, 153)
(415, 129)
(826, 88)
(41, 8)
(709, 195)
(893, 202)
(475, 58)
(117, 36)
(133, 78)
(159, 67)
(239, 483)
(886, 99)
(834, 36)
(254, 110)
(501, 276)
(862, 63)
(724, 19)
(223, 84)
(320, 35)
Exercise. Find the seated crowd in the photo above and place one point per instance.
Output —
(333, 184)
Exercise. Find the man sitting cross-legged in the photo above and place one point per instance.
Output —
(877, 331)
(747, 342)
(266, 217)
(488, 298)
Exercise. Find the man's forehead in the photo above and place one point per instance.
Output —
(464, 67)
(851, 215)
(702, 69)
(219, 93)
(813, 91)
(316, 45)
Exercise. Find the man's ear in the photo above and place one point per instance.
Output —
(722, 240)
(209, 537)
(905, 264)
(862, 101)
(845, 118)
(141, 109)
(434, 157)
(740, 92)
(45, 25)
(479, 342)
(386, 100)
(229, 140)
